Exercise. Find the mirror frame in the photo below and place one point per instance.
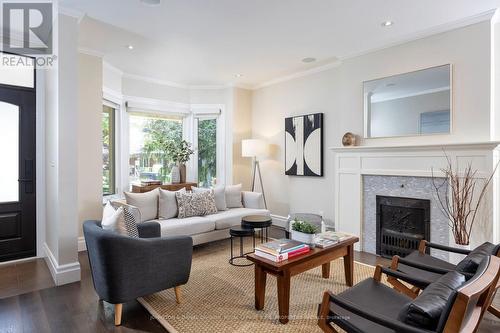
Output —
(365, 106)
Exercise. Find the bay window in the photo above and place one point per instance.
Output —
(148, 135)
(108, 150)
(207, 151)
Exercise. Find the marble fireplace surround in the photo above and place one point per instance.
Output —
(355, 166)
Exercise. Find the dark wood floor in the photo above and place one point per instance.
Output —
(29, 301)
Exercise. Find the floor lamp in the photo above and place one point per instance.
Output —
(255, 148)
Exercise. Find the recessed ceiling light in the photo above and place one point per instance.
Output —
(152, 3)
(386, 23)
(308, 60)
(238, 75)
(130, 47)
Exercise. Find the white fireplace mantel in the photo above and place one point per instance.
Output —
(352, 163)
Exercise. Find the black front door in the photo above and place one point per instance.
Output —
(17, 173)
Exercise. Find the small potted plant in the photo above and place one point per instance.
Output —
(303, 231)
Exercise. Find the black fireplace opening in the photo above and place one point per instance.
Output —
(401, 224)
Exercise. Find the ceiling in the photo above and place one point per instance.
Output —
(209, 42)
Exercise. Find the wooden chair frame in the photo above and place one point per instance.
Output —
(414, 291)
(467, 311)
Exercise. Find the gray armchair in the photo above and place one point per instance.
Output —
(125, 268)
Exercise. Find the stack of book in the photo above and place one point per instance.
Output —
(330, 238)
(281, 249)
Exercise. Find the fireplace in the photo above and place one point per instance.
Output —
(401, 224)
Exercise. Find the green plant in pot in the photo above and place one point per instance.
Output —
(180, 152)
(303, 231)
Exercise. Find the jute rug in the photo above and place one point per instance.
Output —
(220, 297)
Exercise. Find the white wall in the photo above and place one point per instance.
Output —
(338, 93)
(61, 155)
(90, 80)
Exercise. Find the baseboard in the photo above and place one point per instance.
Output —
(81, 244)
(61, 274)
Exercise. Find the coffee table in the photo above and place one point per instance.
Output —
(286, 269)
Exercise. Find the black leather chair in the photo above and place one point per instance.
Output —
(125, 268)
(449, 304)
(421, 269)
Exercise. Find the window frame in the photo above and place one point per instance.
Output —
(112, 147)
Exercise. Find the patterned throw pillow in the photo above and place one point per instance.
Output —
(196, 204)
(131, 217)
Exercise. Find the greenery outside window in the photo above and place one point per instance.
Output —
(148, 158)
(108, 150)
(207, 151)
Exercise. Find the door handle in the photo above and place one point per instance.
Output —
(25, 180)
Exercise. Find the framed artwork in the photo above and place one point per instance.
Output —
(304, 145)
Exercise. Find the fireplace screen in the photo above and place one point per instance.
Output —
(401, 224)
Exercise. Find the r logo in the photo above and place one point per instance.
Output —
(27, 28)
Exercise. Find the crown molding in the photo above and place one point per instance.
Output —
(299, 74)
(442, 28)
(318, 69)
(112, 68)
(79, 15)
(90, 52)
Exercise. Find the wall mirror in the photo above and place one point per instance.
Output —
(415, 103)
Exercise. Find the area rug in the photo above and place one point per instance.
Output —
(219, 297)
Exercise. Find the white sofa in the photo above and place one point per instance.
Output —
(208, 228)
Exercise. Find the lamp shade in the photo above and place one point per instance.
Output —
(254, 147)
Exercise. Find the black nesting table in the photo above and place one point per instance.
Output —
(261, 222)
(241, 233)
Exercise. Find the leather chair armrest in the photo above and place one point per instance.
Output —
(447, 248)
(398, 326)
(425, 267)
(405, 277)
(149, 229)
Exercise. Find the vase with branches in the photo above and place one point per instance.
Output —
(456, 193)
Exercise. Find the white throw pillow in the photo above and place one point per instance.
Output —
(168, 204)
(219, 193)
(233, 196)
(147, 203)
(113, 219)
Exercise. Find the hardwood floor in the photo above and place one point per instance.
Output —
(29, 301)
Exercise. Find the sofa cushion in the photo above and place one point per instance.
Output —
(435, 301)
(233, 196)
(196, 204)
(147, 203)
(187, 226)
(253, 200)
(131, 217)
(232, 217)
(113, 219)
(471, 262)
(220, 195)
(167, 207)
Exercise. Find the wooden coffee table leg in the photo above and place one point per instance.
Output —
(325, 270)
(284, 296)
(260, 287)
(349, 265)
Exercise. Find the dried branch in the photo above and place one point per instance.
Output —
(458, 204)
